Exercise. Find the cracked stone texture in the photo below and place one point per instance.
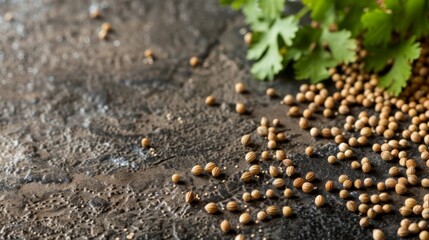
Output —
(73, 110)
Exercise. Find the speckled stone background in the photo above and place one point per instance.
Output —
(73, 110)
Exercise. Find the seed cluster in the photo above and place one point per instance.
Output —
(370, 121)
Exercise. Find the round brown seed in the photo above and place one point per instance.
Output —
(197, 170)
(232, 206)
(245, 218)
(175, 178)
(319, 201)
(287, 211)
(246, 139)
(211, 208)
(272, 210)
(189, 197)
(225, 226)
(240, 87)
(145, 142)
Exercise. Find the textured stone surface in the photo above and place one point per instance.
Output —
(73, 110)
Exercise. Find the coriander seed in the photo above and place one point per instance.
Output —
(240, 87)
(245, 218)
(240, 108)
(175, 178)
(197, 170)
(211, 208)
(145, 142)
(232, 206)
(225, 226)
(319, 200)
(189, 197)
(210, 100)
(287, 211)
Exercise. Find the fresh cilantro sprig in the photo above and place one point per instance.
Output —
(390, 30)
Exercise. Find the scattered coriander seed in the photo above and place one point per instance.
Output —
(347, 184)
(211, 208)
(366, 167)
(194, 61)
(287, 211)
(351, 206)
(265, 155)
(425, 213)
(270, 193)
(262, 130)
(276, 122)
(210, 100)
(290, 171)
(279, 183)
(332, 159)
(272, 210)
(272, 144)
(387, 208)
(240, 108)
(293, 111)
(189, 197)
(246, 140)
(363, 208)
(245, 218)
(410, 202)
(246, 177)
(148, 53)
(255, 169)
(273, 170)
(309, 151)
(329, 186)
(288, 193)
(225, 226)
(310, 176)
(216, 171)
(256, 194)
(288, 100)
(344, 194)
(374, 198)
(280, 155)
(197, 170)
(405, 211)
(377, 234)
(265, 122)
(145, 142)
(175, 178)
(314, 132)
(232, 206)
(209, 167)
(307, 187)
(250, 156)
(298, 182)
(364, 222)
(271, 92)
(247, 197)
(400, 188)
(319, 201)
(107, 27)
(371, 213)
(240, 87)
(403, 232)
(261, 215)
(239, 237)
(102, 35)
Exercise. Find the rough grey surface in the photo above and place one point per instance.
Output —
(73, 110)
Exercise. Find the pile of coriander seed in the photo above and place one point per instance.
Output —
(395, 128)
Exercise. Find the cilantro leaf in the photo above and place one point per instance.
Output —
(404, 53)
(379, 27)
(322, 11)
(268, 66)
(252, 12)
(314, 65)
(271, 8)
(341, 44)
(266, 49)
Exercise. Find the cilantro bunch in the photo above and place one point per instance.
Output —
(389, 29)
